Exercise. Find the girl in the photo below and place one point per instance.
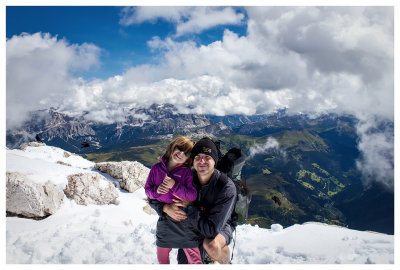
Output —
(168, 178)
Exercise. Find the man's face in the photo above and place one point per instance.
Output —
(203, 164)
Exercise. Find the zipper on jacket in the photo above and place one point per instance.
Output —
(199, 194)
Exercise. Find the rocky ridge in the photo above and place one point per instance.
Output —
(70, 132)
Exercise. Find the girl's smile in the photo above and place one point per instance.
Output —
(179, 156)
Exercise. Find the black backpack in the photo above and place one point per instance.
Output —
(231, 163)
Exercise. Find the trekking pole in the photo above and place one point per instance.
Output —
(234, 243)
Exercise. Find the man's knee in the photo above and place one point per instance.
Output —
(210, 245)
(214, 245)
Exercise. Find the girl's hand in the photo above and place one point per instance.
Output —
(162, 189)
(168, 182)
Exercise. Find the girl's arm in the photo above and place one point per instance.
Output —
(185, 190)
(150, 187)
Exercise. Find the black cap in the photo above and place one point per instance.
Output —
(205, 146)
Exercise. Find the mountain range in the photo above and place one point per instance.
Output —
(309, 163)
(56, 128)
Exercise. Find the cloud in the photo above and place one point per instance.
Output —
(322, 59)
(138, 15)
(40, 72)
(339, 71)
(270, 145)
(187, 19)
(203, 18)
(331, 54)
(278, 64)
(377, 151)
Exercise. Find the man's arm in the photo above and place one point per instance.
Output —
(172, 210)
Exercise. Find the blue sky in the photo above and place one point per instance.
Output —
(122, 45)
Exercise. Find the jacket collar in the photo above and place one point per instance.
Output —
(165, 167)
(210, 183)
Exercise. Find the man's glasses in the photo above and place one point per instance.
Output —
(206, 158)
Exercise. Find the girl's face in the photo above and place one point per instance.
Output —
(179, 156)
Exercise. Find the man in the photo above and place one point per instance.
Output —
(211, 213)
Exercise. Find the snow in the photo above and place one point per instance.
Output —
(40, 164)
(125, 234)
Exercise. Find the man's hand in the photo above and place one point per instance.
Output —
(174, 212)
(168, 182)
(181, 202)
(162, 189)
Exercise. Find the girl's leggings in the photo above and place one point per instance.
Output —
(192, 254)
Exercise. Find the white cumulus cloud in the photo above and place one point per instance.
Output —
(377, 151)
(40, 71)
(187, 19)
(270, 145)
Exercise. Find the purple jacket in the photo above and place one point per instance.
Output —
(183, 187)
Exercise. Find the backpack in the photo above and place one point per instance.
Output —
(231, 163)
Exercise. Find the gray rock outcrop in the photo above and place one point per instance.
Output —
(30, 199)
(91, 188)
(133, 174)
(31, 144)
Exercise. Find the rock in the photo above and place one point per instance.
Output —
(31, 144)
(133, 174)
(148, 210)
(30, 199)
(54, 198)
(112, 168)
(276, 227)
(69, 154)
(64, 163)
(91, 188)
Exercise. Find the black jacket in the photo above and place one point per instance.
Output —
(214, 206)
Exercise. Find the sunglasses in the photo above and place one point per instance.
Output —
(180, 148)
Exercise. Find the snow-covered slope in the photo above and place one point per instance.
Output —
(124, 233)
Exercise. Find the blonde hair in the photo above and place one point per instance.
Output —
(183, 142)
